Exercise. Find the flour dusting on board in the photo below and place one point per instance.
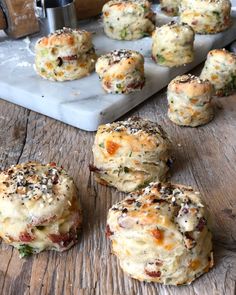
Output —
(28, 42)
(24, 64)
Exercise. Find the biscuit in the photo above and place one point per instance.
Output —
(130, 154)
(220, 70)
(160, 234)
(121, 71)
(206, 17)
(173, 44)
(189, 101)
(67, 54)
(128, 19)
(39, 208)
(170, 7)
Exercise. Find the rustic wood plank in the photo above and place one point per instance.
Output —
(205, 158)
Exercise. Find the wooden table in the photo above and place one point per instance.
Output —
(205, 159)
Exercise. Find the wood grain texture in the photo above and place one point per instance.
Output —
(205, 159)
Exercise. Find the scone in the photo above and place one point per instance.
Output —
(189, 101)
(121, 71)
(128, 19)
(220, 70)
(170, 7)
(160, 234)
(39, 208)
(130, 154)
(67, 54)
(206, 17)
(172, 44)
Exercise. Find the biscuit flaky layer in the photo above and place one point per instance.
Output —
(130, 154)
(189, 101)
(128, 20)
(121, 71)
(206, 17)
(172, 44)
(39, 208)
(67, 54)
(220, 70)
(160, 234)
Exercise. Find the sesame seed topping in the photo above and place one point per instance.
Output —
(31, 182)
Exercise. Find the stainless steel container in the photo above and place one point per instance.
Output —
(55, 14)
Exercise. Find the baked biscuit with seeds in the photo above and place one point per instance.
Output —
(130, 154)
(160, 234)
(39, 208)
(121, 71)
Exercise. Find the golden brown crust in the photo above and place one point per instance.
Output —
(206, 17)
(67, 54)
(39, 208)
(63, 37)
(128, 154)
(220, 70)
(136, 24)
(160, 234)
(121, 71)
(190, 85)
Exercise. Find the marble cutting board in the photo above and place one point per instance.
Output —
(83, 103)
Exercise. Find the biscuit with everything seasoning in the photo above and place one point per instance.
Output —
(128, 20)
(67, 54)
(160, 234)
(121, 71)
(39, 208)
(130, 154)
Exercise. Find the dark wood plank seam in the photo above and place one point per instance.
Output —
(25, 137)
(5, 274)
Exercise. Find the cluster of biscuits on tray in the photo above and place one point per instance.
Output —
(160, 231)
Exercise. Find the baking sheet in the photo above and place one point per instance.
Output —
(83, 103)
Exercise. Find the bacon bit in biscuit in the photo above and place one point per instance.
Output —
(189, 241)
(52, 164)
(25, 237)
(153, 274)
(64, 239)
(55, 179)
(130, 201)
(112, 147)
(202, 222)
(108, 231)
(69, 58)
